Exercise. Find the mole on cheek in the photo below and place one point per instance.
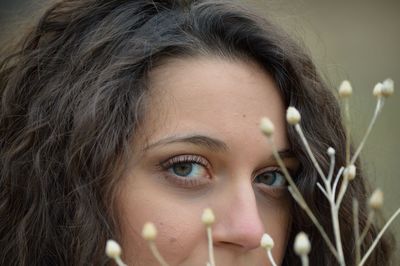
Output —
(244, 115)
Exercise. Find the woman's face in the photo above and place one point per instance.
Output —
(203, 148)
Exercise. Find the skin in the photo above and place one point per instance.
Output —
(222, 100)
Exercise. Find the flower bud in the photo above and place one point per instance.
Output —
(292, 115)
(113, 249)
(331, 151)
(149, 231)
(350, 172)
(378, 89)
(208, 217)
(376, 199)
(267, 127)
(388, 87)
(302, 245)
(345, 89)
(267, 242)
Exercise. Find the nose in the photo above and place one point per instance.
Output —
(238, 224)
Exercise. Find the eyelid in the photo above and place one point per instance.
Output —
(185, 158)
(291, 169)
(267, 169)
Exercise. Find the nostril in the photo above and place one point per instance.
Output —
(232, 246)
(237, 236)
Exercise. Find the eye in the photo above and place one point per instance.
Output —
(272, 178)
(186, 170)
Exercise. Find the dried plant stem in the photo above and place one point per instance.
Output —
(119, 261)
(323, 190)
(328, 193)
(304, 260)
(378, 108)
(378, 237)
(367, 225)
(309, 152)
(270, 257)
(338, 175)
(331, 168)
(335, 220)
(342, 191)
(347, 121)
(210, 246)
(356, 230)
(157, 254)
(336, 231)
(299, 198)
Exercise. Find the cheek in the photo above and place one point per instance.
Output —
(180, 231)
(277, 219)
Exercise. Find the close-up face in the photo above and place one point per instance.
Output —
(200, 146)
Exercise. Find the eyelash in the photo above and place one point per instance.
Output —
(166, 165)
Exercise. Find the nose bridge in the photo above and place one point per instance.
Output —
(240, 224)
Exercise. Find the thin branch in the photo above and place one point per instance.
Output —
(337, 180)
(367, 225)
(347, 121)
(331, 167)
(379, 236)
(378, 108)
(119, 261)
(309, 152)
(210, 246)
(342, 191)
(336, 231)
(157, 254)
(323, 190)
(304, 260)
(356, 230)
(271, 258)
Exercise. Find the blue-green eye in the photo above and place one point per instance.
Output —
(272, 178)
(188, 169)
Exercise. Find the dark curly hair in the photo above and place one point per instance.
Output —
(74, 91)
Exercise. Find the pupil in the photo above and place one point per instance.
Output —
(183, 169)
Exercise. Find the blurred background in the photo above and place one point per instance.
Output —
(358, 40)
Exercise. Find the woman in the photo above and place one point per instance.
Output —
(115, 113)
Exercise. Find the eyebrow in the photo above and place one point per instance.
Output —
(198, 140)
(213, 144)
(284, 154)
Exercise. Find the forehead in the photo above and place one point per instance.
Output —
(212, 96)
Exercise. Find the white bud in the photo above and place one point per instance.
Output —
(208, 217)
(350, 172)
(292, 115)
(302, 245)
(378, 89)
(331, 151)
(267, 242)
(345, 89)
(267, 127)
(376, 200)
(149, 231)
(113, 249)
(388, 87)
